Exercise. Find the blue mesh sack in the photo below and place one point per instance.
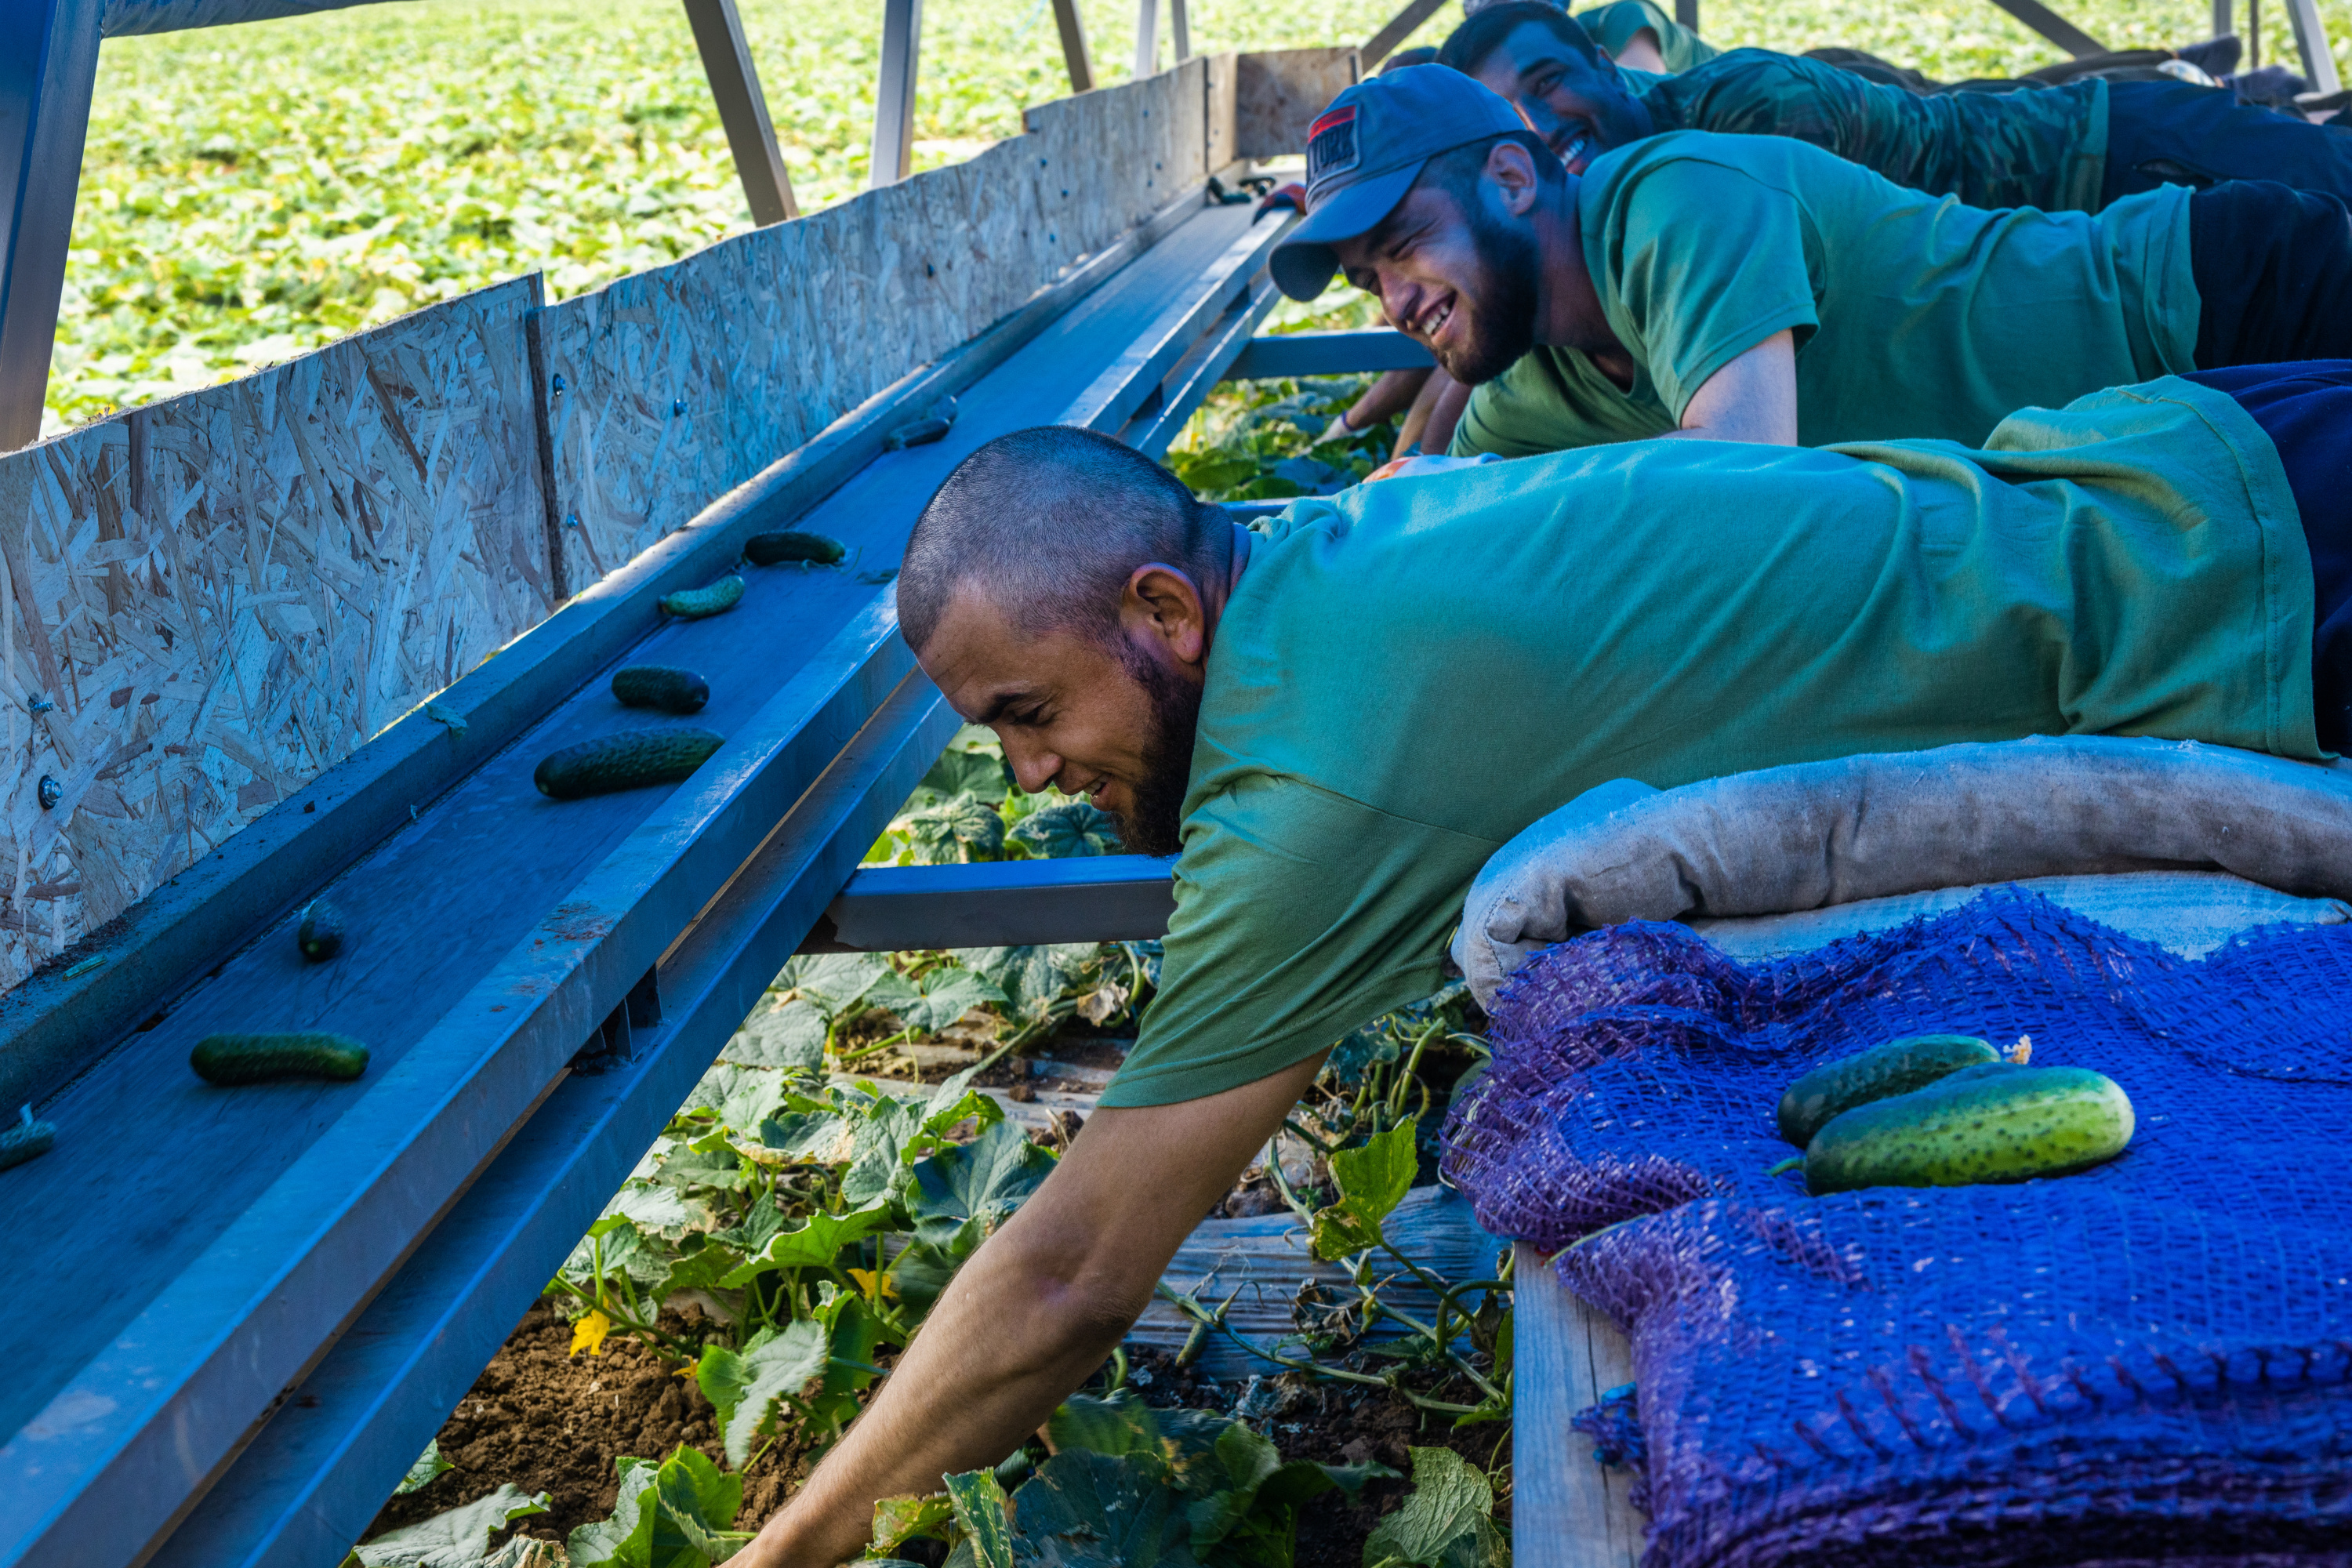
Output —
(2147, 1361)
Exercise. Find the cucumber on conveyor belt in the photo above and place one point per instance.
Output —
(321, 935)
(1993, 1123)
(28, 1140)
(700, 604)
(630, 760)
(791, 544)
(264, 1058)
(1898, 1067)
(659, 686)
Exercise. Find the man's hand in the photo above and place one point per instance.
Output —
(1035, 1310)
(1753, 398)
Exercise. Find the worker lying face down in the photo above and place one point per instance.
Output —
(1340, 719)
(1756, 288)
(2075, 147)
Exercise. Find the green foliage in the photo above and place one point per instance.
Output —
(1447, 1521)
(459, 1538)
(422, 1474)
(752, 1389)
(1372, 1180)
(675, 1514)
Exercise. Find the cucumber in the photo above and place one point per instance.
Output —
(2006, 1124)
(659, 686)
(259, 1058)
(1898, 1067)
(321, 935)
(28, 1140)
(697, 603)
(770, 549)
(629, 759)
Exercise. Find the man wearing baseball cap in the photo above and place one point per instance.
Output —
(1759, 289)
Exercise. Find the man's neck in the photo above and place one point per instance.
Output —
(1219, 591)
(1569, 315)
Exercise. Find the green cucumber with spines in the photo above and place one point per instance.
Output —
(791, 544)
(630, 760)
(320, 934)
(2006, 1124)
(231, 1060)
(28, 1140)
(659, 686)
(1897, 1066)
(700, 604)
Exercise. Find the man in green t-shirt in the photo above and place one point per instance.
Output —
(1756, 288)
(1341, 718)
(2075, 147)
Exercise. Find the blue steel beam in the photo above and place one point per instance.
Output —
(48, 68)
(1287, 354)
(1009, 903)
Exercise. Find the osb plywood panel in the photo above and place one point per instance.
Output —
(1221, 144)
(681, 383)
(1278, 92)
(206, 602)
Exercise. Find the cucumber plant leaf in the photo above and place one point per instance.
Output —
(752, 1387)
(787, 1035)
(1060, 832)
(983, 1180)
(1031, 978)
(1445, 1521)
(978, 1504)
(898, 1520)
(811, 1244)
(837, 984)
(674, 1514)
(960, 829)
(459, 1538)
(982, 774)
(429, 1465)
(1372, 1180)
(942, 997)
(1086, 1508)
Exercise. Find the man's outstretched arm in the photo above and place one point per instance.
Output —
(1035, 1310)
(1752, 398)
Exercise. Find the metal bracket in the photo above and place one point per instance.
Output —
(894, 98)
(742, 109)
(48, 70)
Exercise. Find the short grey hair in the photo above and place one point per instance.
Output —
(1050, 523)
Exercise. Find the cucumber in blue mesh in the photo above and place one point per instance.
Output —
(2006, 1124)
(1898, 1067)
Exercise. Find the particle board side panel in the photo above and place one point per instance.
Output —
(1219, 131)
(680, 383)
(206, 602)
(1278, 92)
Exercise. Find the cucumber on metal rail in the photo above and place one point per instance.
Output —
(659, 686)
(263, 1059)
(321, 935)
(791, 544)
(630, 760)
(699, 604)
(1992, 1123)
(1898, 1067)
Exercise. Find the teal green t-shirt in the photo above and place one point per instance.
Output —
(2044, 149)
(1914, 315)
(1612, 28)
(1410, 672)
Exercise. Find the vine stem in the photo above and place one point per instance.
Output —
(1191, 1308)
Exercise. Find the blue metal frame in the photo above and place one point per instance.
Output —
(48, 68)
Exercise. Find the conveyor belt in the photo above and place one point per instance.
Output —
(192, 1253)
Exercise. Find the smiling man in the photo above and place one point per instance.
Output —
(2075, 147)
(1757, 288)
(1341, 718)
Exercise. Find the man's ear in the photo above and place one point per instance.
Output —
(1163, 605)
(1513, 170)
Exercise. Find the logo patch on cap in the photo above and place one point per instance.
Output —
(1331, 147)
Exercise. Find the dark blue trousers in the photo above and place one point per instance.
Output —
(2174, 133)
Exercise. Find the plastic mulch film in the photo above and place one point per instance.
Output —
(2144, 1362)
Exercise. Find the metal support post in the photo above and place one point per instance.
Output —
(1179, 21)
(1073, 28)
(2311, 42)
(742, 109)
(1400, 27)
(2050, 26)
(1686, 13)
(2220, 18)
(48, 68)
(1147, 38)
(894, 102)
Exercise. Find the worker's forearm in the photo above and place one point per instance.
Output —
(979, 1379)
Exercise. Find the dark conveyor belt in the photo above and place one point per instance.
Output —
(187, 1253)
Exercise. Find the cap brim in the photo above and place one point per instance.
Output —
(1302, 265)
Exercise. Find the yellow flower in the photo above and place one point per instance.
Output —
(588, 1333)
(878, 1286)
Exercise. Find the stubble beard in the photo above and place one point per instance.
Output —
(1503, 322)
(1154, 825)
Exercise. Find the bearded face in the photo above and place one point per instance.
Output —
(1500, 300)
(1152, 822)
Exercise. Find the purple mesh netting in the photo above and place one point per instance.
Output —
(2146, 1361)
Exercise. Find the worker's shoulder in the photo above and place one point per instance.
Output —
(1694, 168)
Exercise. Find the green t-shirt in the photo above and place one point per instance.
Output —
(2044, 149)
(1612, 28)
(1411, 672)
(1914, 315)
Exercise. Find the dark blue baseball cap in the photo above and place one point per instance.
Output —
(1364, 152)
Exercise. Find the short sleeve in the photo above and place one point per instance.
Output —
(1300, 915)
(1698, 263)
